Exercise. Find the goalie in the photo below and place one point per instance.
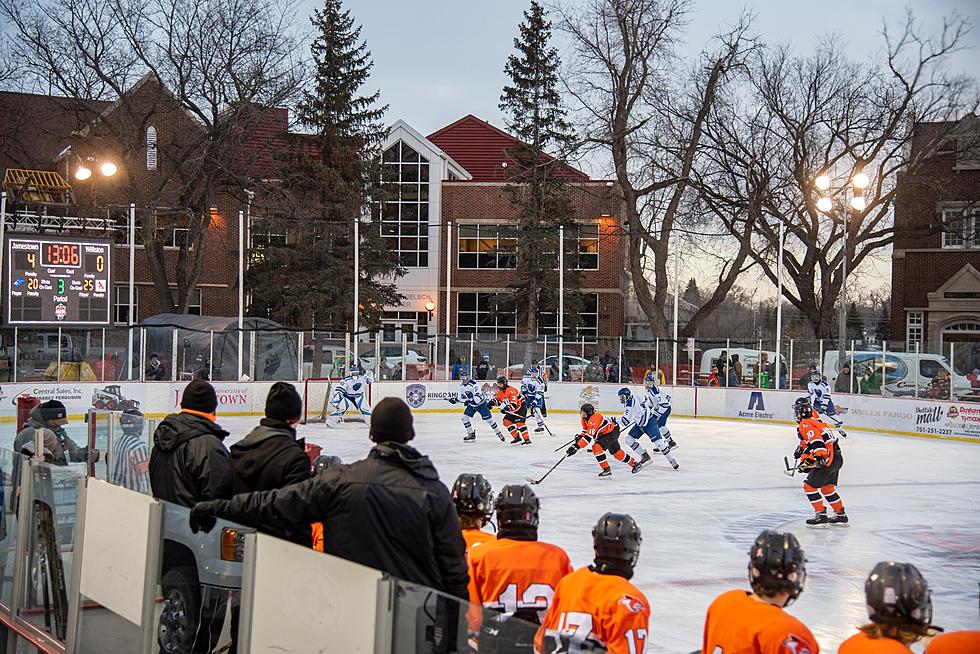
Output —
(350, 393)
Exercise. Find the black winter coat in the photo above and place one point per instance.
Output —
(188, 462)
(270, 457)
(389, 512)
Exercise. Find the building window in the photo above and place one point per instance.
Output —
(404, 214)
(483, 313)
(588, 321)
(913, 329)
(122, 304)
(195, 302)
(266, 234)
(487, 246)
(151, 148)
(588, 247)
(961, 229)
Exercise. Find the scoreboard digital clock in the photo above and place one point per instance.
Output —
(53, 281)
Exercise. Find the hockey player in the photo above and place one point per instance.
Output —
(474, 401)
(596, 606)
(644, 421)
(738, 621)
(819, 455)
(473, 497)
(515, 574)
(900, 608)
(603, 435)
(820, 398)
(508, 400)
(350, 391)
(532, 390)
(659, 403)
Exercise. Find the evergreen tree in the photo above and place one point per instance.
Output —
(333, 178)
(534, 114)
(691, 293)
(855, 324)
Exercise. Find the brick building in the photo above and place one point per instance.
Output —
(936, 256)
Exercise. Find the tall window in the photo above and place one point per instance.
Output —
(913, 329)
(481, 313)
(122, 304)
(961, 229)
(404, 214)
(588, 247)
(151, 148)
(487, 246)
(195, 303)
(588, 320)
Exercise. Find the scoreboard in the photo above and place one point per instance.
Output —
(52, 281)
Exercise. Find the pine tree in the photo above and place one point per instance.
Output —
(333, 179)
(534, 114)
(691, 293)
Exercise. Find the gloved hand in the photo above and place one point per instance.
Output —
(805, 466)
(202, 518)
(452, 400)
(572, 449)
(94, 455)
(799, 451)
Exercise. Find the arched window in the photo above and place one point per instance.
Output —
(151, 148)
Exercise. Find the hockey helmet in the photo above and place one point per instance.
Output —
(517, 506)
(802, 408)
(535, 372)
(325, 462)
(777, 565)
(502, 382)
(587, 409)
(464, 373)
(650, 381)
(131, 422)
(815, 376)
(354, 369)
(897, 593)
(616, 536)
(624, 395)
(473, 495)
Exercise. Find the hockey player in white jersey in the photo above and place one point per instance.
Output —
(819, 390)
(474, 401)
(658, 403)
(644, 421)
(532, 389)
(350, 392)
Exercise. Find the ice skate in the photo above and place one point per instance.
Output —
(538, 429)
(818, 521)
(645, 459)
(671, 444)
(527, 442)
(516, 440)
(605, 474)
(639, 466)
(470, 437)
(840, 520)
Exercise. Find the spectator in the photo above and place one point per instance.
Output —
(516, 559)
(617, 612)
(713, 379)
(735, 372)
(974, 378)
(52, 416)
(595, 372)
(270, 456)
(473, 498)
(723, 368)
(396, 372)
(805, 379)
(457, 367)
(483, 368)
(384, 368)
(870, 383)
(155, 370)
(614, 374)
(738, 621)
(389, 511)
(107, 369)
(130, 458)
(763, 371)
(900, 609)
(939, 387)
(843, 382)
(607, 359)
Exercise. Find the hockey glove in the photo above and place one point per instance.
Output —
(201, 518)
(805, 466)
(571, 450)
(452, 400)
(799, 452)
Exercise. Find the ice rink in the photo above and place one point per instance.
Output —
(909, 499)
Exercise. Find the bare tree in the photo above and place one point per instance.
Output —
(634, 106)
(803, 116)
(205, 67)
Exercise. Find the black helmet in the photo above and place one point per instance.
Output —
(587, 409)
(517, 506)
(473, 495)
(777, 565)
(131, 422)
(502, 381)
(325, 462)
(802, 408)
(616, 536)
(897, 593)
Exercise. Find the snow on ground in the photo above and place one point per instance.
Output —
(909, 499)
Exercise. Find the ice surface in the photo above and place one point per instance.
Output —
(909, 499)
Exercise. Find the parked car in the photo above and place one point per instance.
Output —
(393, 355)
(904, 372)
(574, 363)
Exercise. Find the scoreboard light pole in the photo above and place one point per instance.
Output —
(241, 290)
(132, 284)
(561, 301)
(357, 291)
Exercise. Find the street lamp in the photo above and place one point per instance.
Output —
(430, 306)
(84, 172)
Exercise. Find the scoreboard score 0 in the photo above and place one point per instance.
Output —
(53, 281)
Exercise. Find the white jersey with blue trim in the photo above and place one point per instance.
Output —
(819, 393)
(470, 394)
(656, 400)
(354, 385)
(636, 412)
(531, 387)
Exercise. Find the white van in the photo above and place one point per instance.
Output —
(904, 372)
(749, 359)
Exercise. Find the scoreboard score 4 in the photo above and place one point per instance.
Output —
(54, 281)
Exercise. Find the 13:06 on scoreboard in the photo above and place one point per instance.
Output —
(56, 281)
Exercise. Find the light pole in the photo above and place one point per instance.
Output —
(855, 188)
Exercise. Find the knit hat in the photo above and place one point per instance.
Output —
(283, 402)
(53, 410)
(199, 396)
(391, 420)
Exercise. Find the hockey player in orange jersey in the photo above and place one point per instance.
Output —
(739, 622)
(515, 575)
(955, 642)
(602, 435)
(819, 455)
(508, 400)
(900, 609)
(473, 497)
(597, 606)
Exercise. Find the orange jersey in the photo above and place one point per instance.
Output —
(737, 623)
(955, 642)
(596, 425)
(507, 575)
(861, 643)
(814, 441)
(597, 609)
(318, 536)
(509, 399)
(474, 536)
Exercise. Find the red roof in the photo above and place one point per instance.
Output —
(480, 148)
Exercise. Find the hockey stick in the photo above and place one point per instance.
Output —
(534, 482)
(567, 443)
(537, 414)
(790, 471)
